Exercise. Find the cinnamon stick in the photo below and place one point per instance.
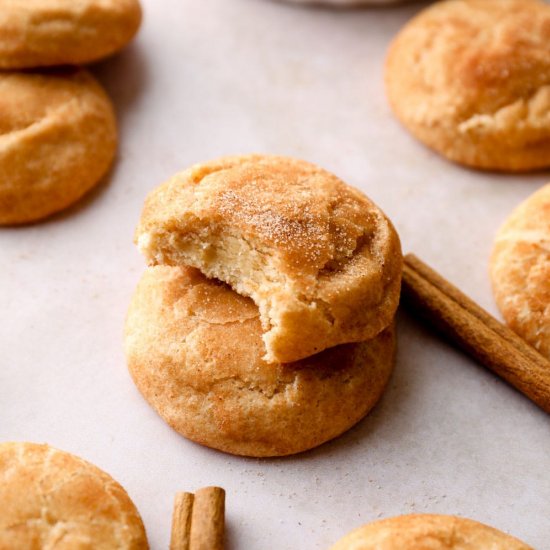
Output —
(478, 333)
(181, 521)
(208, 519)
(198, 521)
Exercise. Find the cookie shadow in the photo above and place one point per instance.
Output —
(230, 538)
(125, 78)
(390, 414)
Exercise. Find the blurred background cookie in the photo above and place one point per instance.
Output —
(348, 3)
(520, 270)
(38, 33)
(320, 260)
(428, 531)
(471, 79)
(58, 139)
(194, 349)
(52, 499)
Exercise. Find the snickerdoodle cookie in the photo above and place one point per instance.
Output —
(38, 33)
(471, 79)
(319, 259)
(428, 532)
(347, 3)
(57, 139)
(194, 350)
(520, 270)
(52, 499)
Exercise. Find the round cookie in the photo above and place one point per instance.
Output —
(520, 270)
(52, 499)
(40, 33)
(319, 259)
(471, 80)
(57, 140)
(428, 532)
(194, 350)
(347, 3)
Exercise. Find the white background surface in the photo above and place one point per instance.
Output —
(212, 77)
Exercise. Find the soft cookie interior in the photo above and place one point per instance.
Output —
(320, 260)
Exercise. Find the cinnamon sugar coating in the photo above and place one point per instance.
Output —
(52, 499)
(58, 138)
(471, 79)
(41, 33)
(319, 259)
(194, 350)
(520, 270)
(428, 532)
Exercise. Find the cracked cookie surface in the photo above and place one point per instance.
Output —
(319, 259)
(41, 33)
(520, 270)
(52, 500)
(58, 138)
(471, 79)
(428, 532)
(194, 350)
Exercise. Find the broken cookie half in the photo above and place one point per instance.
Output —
(319, 259)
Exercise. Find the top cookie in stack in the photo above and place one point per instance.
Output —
(319, 259)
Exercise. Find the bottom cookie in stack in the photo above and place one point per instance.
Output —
(194, 349)
(52, 499)
(429, 532)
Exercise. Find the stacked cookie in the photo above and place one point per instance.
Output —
(58, 126)
(264, 324)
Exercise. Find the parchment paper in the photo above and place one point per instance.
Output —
(212, 77)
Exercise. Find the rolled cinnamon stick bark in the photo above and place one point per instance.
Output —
(208, 519)
(474, 330)
(181, 521)
(198, 521)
